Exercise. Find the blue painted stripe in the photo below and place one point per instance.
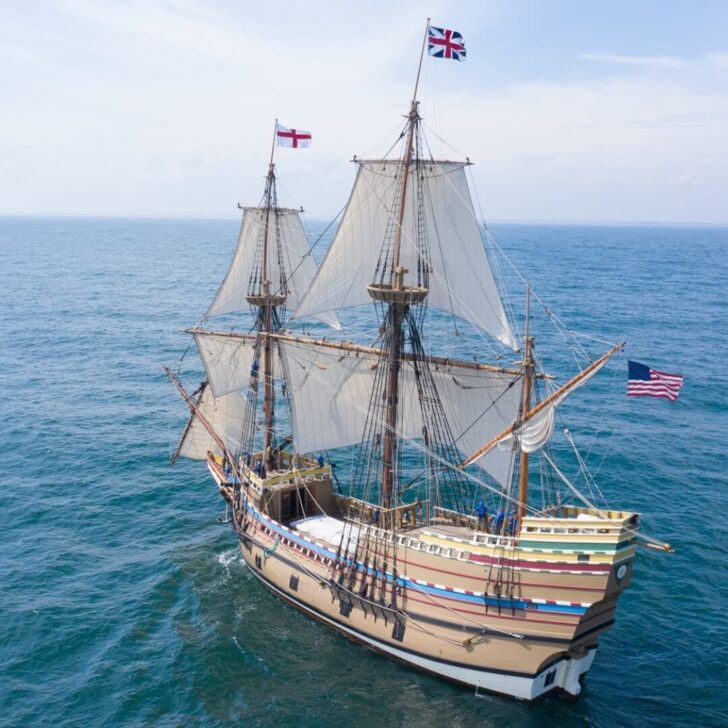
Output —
(503, 603)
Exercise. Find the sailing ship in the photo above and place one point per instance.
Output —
(429, 549)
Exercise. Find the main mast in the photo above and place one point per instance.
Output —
(398, 298)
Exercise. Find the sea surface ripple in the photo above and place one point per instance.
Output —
(124, 601)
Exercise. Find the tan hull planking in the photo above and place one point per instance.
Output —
(524, 652)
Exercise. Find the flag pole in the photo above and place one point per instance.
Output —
(267, 319)
(273, 146)
(422, 55)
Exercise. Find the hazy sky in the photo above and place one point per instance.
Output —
(571, 110)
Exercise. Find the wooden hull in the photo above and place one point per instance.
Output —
(505, 615)
(567, 672)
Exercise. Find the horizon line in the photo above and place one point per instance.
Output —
(493, 221)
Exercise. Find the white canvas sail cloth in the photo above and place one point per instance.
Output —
(331, 388)
(298, 265)
(461, 280)
(225, 414)
(534, 434)
(537, 430)
(228, 360)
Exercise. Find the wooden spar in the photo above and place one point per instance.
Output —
(545, 403)
(397, 311)
(195, 412)
(268, 393)
(359, 349)
(527, 369)
(419, 66)
(202, 389)
(426, 163)
(413, 119)
(194, 409)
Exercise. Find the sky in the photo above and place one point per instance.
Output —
(570, 110)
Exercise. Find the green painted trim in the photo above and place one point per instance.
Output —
(573, 546)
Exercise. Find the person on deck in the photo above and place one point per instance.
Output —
(512, 523)
(320, 461)
(481, 511)
(499, 519)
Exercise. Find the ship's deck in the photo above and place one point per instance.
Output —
(442, 530)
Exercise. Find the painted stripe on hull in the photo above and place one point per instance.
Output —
(552, 566)
(467, 627)
(460, 575)
(441, 592)
(573, 608)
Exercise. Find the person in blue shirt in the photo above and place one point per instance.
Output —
(512, 523)
(320, 461)
(481, 511)
(499, 518)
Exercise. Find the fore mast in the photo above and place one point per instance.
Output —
(259, 296)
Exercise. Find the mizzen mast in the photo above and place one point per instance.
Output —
(527, 380)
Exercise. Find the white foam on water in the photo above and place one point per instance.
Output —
(230, 556)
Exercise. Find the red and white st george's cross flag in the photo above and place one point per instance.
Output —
(292, 137)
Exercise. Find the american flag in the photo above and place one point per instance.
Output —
(443, 43)
(643, 381)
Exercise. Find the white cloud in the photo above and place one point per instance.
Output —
(719, 60)
(168, 108)
(666, 61)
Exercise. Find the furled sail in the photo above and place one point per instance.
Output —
(229, 360)
(537, 429)
(292, 271)
(336, 385)
(225, 414)
(460, 282)
(534, 434)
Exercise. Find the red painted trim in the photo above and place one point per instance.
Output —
(490, 615)
(550, 565)
(480, 578)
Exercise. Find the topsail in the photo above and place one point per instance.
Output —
(290, 271)
(439, 206)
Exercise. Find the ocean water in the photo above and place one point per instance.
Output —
(124, 601)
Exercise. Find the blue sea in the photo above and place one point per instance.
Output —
(124, 601)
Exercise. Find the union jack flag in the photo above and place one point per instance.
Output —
(443, 43)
